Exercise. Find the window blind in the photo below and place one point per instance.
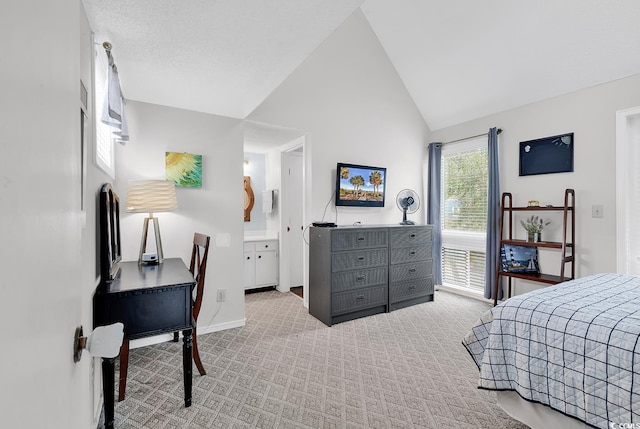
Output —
(464, 268)
(464, 190)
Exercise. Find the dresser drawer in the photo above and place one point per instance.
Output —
(410, 271)
(266, 245)
(410, 236)
(257, 246)
(345, 261)
(358, 239)
(349, 280)
(401, 291)
(346, 302)
(410, 254)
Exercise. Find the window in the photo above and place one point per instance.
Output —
(464, 213)
(104, 136)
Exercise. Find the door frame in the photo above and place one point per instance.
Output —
(284, 283)
(624, 164)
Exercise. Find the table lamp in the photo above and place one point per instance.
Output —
(151, 196)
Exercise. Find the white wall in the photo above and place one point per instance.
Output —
(351, 103)
(590, 115)
(42, 287)
(353, 107)
(273, 181)
(216, 209)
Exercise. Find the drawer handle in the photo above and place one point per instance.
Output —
(413, 287)
(412, 270)
(359, 297)
(361, 238)
(360, 258)
(260, 256)
(248, 258)
(412, 236)
(360, 278)
(413, 252)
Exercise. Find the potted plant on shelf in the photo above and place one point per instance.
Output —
(534, 226)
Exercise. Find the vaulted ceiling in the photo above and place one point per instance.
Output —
(459, 59)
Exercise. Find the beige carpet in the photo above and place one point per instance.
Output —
(285, 369)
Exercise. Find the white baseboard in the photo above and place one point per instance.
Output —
(282, 288)
(142, 342)
(221, 326)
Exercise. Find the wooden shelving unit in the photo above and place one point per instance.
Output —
(566, 246)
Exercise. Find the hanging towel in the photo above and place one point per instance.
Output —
(113, 103)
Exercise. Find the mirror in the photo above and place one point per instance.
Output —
(248, 198)
(109, 244)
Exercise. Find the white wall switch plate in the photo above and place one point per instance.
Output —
(597, 210)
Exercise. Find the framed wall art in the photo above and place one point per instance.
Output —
(184, 169)
(519, 259)
(547, 155)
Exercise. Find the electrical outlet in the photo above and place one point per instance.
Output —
(222, 295)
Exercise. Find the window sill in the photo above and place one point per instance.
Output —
(471, 293)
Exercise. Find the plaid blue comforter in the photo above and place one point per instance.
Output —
(574, 347)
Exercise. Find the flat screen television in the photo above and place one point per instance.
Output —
(360, 185)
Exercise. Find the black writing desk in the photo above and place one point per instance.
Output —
(149, 300)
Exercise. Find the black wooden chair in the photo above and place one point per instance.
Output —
(198, 268)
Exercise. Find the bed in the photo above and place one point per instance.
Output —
(571, 351)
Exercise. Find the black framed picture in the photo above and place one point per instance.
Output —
(519, 259)
(109, 249)
(547, 155)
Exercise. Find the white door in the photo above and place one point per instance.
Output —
(43, 295)
(249, 270)
(292, 204)
(266, 268)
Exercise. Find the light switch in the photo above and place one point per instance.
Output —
(597, 211)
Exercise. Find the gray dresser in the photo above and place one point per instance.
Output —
(360, 271)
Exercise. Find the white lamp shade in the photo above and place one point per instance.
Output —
(151, 196)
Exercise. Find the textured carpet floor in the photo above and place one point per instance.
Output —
(285, 369)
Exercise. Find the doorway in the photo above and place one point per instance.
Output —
(292, 223)
(283, 151)
(627, 190)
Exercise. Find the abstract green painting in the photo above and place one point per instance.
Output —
(184, 169)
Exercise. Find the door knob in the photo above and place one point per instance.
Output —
(105, 341)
